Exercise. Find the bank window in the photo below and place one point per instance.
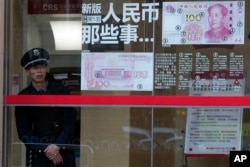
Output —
(127, 83)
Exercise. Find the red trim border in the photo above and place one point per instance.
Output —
(128, 100)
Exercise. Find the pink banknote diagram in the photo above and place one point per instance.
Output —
(117, 71)
(203, 22)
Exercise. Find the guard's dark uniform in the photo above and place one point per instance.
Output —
(40, 126)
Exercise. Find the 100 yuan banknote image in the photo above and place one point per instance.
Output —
(117, 71)
(210, 22)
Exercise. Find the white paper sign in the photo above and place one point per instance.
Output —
(214, 130)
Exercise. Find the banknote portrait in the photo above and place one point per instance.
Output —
(217, 21)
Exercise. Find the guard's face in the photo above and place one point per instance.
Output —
(37, 73)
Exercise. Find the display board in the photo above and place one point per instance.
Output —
(172, 67)
(214, 130)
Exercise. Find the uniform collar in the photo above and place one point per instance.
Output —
(44, 88)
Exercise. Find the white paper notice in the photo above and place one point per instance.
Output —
(214, 130)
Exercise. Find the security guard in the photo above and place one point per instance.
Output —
(45, 131)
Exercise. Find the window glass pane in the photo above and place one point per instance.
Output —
(147, 85)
